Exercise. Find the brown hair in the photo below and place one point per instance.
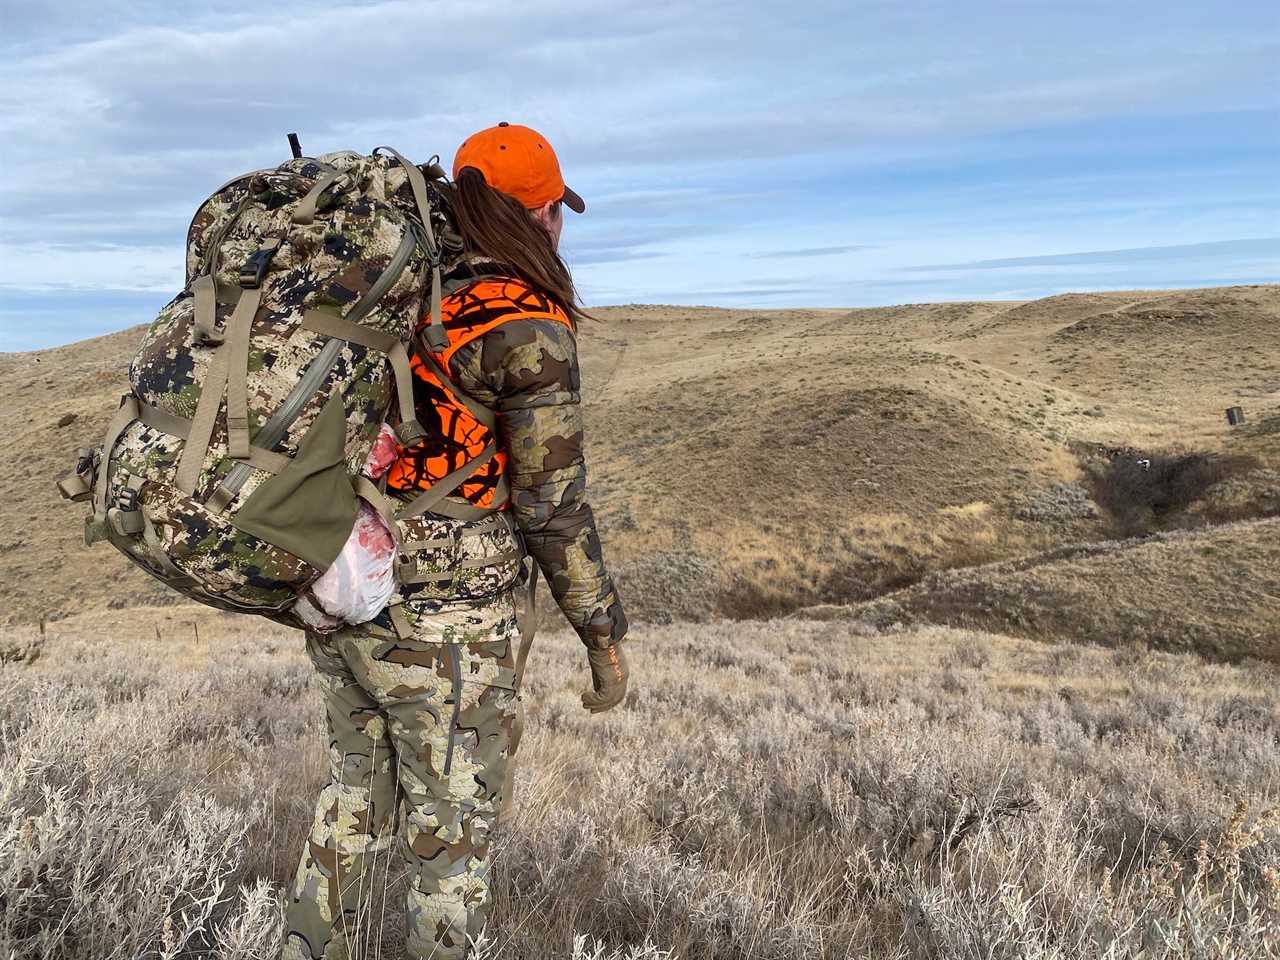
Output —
(496, 225)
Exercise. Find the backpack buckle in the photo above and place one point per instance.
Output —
(127, 499)
(127, 523)
(409, 433)
(436, 336)
(85, 464)
(253, 270)
(404, 567)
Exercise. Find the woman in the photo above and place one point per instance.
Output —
(422, 701)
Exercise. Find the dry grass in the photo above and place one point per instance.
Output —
(748, 463)
(769, 789)
(1215, 591)
(856, 782)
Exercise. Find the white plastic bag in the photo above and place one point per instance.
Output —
(360, 581)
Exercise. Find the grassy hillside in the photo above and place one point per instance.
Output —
(748, 463)
(965, 684)
(1214, 591)
(769, 790)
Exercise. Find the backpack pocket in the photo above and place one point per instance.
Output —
(446, 559)
(310, 507)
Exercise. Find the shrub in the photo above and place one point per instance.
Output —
(770, 790)
(1138, 489)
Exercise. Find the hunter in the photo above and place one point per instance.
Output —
(422, 701)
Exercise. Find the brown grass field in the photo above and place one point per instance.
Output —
(918, 671)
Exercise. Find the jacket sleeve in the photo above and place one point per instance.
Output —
(528, 370)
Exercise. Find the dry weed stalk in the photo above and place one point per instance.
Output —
(772, 791)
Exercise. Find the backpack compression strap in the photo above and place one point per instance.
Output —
(418, 184)
(203, 287)
(332, 325)
(228, 373)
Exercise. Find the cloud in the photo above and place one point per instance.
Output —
(810, 252)
(705, 137)
(49, 267)
(620, 255)
(1238, 249)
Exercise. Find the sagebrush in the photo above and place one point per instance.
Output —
(769, 789)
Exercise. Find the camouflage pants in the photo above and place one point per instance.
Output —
(419, 741)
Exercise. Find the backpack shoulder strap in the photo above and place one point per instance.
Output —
(474, 406)
(418, 185)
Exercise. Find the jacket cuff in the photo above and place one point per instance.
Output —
(605, 628)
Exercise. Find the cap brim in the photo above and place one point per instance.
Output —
(573, 201)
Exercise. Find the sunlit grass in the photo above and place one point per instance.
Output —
(769, 789)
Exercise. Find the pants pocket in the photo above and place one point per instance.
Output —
(455, 669)
(324, 654)
(485, 712)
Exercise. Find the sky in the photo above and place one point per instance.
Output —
(750, 154)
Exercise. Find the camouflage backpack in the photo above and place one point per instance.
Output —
(231, 470)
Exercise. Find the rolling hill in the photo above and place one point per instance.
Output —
(748, 463)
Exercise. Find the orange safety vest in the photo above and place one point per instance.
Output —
(454, 436)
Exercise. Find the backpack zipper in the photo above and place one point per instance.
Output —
(274, 429)
(455, 664)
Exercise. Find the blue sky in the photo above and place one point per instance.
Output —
(746, 154)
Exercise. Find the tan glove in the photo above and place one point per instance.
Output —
(608, 678)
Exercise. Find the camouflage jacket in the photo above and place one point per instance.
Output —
(526, 370)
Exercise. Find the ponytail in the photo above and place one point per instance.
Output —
(496, 225)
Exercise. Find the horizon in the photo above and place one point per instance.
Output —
(829, 157)
(904, 304)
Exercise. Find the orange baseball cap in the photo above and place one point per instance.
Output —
(519, 161)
